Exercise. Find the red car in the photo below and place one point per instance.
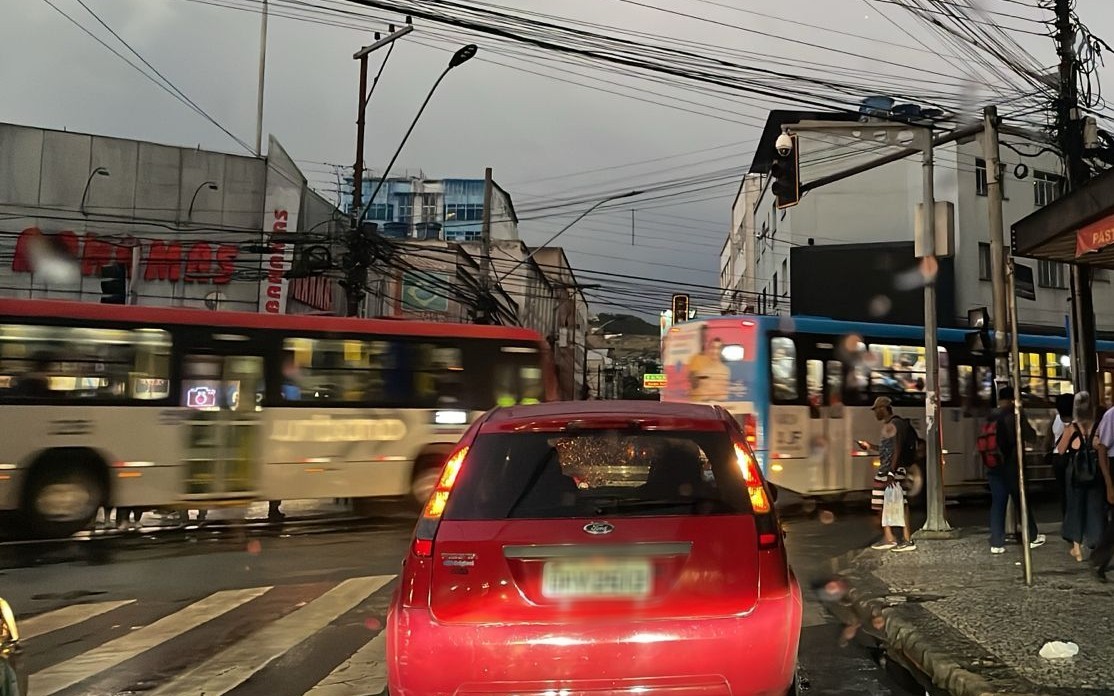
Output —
(597, 548)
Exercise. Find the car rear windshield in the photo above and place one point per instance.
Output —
(601, 472)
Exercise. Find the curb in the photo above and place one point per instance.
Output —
(924, 643)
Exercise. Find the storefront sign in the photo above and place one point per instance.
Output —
(1094, 237)
(159, 260)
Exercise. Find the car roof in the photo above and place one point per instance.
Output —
(548, 416)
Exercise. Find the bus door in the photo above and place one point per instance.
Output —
(222, 395)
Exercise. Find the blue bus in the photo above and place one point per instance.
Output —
(802, 388)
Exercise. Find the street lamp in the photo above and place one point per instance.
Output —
(357, 275)
(462, 56)
(211, 185)
(99, 171)
(566, 227)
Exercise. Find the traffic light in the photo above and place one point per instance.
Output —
(680, 308)
(980, 341)
(114, 284)
(785, 172)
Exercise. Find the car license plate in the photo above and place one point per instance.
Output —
(611, 578)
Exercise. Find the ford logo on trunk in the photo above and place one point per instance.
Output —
(599, 528)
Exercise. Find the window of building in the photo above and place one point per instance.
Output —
(464, 212)
(406, 208)
(1051, 274)
(982, 186)
(380, 211)
(78, 363)
(776, 293)
(1046, 188)
(785, 277)
(783, 363)
(984, 261)
(429, 208)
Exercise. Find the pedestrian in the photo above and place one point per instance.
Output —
(891, 472)
(1085, 518)
(998, 447)
(1104, 550)
(1058, 462)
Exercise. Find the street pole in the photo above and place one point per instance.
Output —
(358, 167)
(991, 155)
(262, 80)
(934, 475)
(1026, 552)
(1068, 123)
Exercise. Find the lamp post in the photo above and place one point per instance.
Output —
(211, 185)
(359, 265)
(99, 171)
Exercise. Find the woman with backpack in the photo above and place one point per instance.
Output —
(1084, 486)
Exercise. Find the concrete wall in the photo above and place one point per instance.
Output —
(142, 203)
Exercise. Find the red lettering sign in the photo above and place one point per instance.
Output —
(1094, 237)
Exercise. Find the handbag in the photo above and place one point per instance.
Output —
(1084, 462)
(893, 507)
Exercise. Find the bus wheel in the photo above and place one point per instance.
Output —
(62, 498)
(427, 469)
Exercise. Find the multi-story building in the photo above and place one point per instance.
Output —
(879, 206)
(193, 228)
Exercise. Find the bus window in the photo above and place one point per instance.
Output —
(70, 363)
(814, 377)
(1032, 381)
(332, 370)
(1057, 369)
(438, 374)
(518, 383)
(898, 369)
(783, 362)
(835, 388)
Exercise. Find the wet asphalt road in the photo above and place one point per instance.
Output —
(325, 586)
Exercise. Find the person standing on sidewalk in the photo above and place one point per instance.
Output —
(1059, 462)
(1085, 518)
(1002, 475)
(891, 471)
(1104, 551)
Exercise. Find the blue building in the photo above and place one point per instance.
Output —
(450, 210)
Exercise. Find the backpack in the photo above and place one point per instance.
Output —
(987, 444)
(1083, 462)
(912, 446)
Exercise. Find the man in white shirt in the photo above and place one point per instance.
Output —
(1104, 552)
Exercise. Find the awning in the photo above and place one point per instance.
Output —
(1078, 228)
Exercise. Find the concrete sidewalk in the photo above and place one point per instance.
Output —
(966, 619)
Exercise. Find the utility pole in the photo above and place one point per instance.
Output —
(358, 246)
(1070, 132)
(934, 464)
(991, 155)
(1026, 552)
(486, 308)
(262, 80)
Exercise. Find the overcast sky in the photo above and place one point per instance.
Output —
(550, 129)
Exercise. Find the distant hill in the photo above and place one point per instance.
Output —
(626, 324)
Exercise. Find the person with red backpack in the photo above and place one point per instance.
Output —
(997, 446)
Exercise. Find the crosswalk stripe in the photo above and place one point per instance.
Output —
(236, 664)
(61, 676)
(363, 673)
(66, 616)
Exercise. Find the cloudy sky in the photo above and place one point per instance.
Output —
(560, 132)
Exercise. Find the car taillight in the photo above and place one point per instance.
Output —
(759, 501)
(750, 429)
(431, 515)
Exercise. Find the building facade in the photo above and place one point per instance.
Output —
(879, 206)
(192, 228)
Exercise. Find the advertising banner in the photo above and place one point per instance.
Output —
(712, 361)
(1094, 237)
(282, 201)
